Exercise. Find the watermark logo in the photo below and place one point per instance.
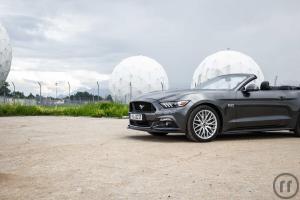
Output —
(286, 185)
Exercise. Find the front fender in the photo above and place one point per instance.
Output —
(211, 103)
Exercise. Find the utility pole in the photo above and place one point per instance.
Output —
(14, 92)
(2, 85)
(130, 91)
(198, 83)
(56, 90)
(40, 85)
(93, 96)
(69, 92)
(4, 92)
(98, 91)
(275, 80)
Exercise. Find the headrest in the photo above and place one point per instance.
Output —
(265, 85)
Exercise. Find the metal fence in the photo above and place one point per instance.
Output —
(8, 100)
(48, 101)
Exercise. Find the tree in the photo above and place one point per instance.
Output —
(4, 91)
(109, 98)
(30, 96)
(83, 96)
(19, 95)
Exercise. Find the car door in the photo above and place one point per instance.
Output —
(261, 109)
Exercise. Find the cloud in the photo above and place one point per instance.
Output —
(61, 36)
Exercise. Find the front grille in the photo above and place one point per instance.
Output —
(141, 106)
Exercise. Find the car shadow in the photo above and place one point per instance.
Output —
(163, 139)
(222, 137)
(255, 135)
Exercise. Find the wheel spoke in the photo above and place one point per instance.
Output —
(212, 122)
(202, 131)
(197, 122)
(202, 116)
(208, 132)
(198, 128)
(210, 119)
(198, 119)
(208, 116)
(209, 129)
(205, 132)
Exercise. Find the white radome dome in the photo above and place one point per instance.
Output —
(143, 73)
(226, 62)
(5, 54)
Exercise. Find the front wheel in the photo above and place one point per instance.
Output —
(203, 124)
(157, 133)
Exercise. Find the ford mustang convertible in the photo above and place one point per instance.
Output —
(227, 103)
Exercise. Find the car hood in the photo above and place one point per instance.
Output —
(170, 95)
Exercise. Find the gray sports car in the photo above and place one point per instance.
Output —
(226, 103)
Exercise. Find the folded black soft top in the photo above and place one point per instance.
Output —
(265, 85)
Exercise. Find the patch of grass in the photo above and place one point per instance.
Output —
(91, 110)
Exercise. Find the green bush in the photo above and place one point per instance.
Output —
(92, 110)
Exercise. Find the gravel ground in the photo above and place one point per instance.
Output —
(89, 158)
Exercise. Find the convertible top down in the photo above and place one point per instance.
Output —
(225, 103)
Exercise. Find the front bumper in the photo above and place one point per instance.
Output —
(162, 120)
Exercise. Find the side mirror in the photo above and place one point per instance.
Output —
(251, 88)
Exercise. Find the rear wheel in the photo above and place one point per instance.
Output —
(158, 133)
(203, 124)
(297, 130)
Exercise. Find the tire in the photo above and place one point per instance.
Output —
(203, 124)
(157, 133)
(297, 130)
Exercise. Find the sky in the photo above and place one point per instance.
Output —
(81, 41)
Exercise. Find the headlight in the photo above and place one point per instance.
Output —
(174, 104)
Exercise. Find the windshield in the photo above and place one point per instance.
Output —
(225, 82)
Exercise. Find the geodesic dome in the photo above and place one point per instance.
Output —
(225, 62)
(5, 54)
(135, 76)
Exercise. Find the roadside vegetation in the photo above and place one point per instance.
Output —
(107, 109)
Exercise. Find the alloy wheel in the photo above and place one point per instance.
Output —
(205, 124)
